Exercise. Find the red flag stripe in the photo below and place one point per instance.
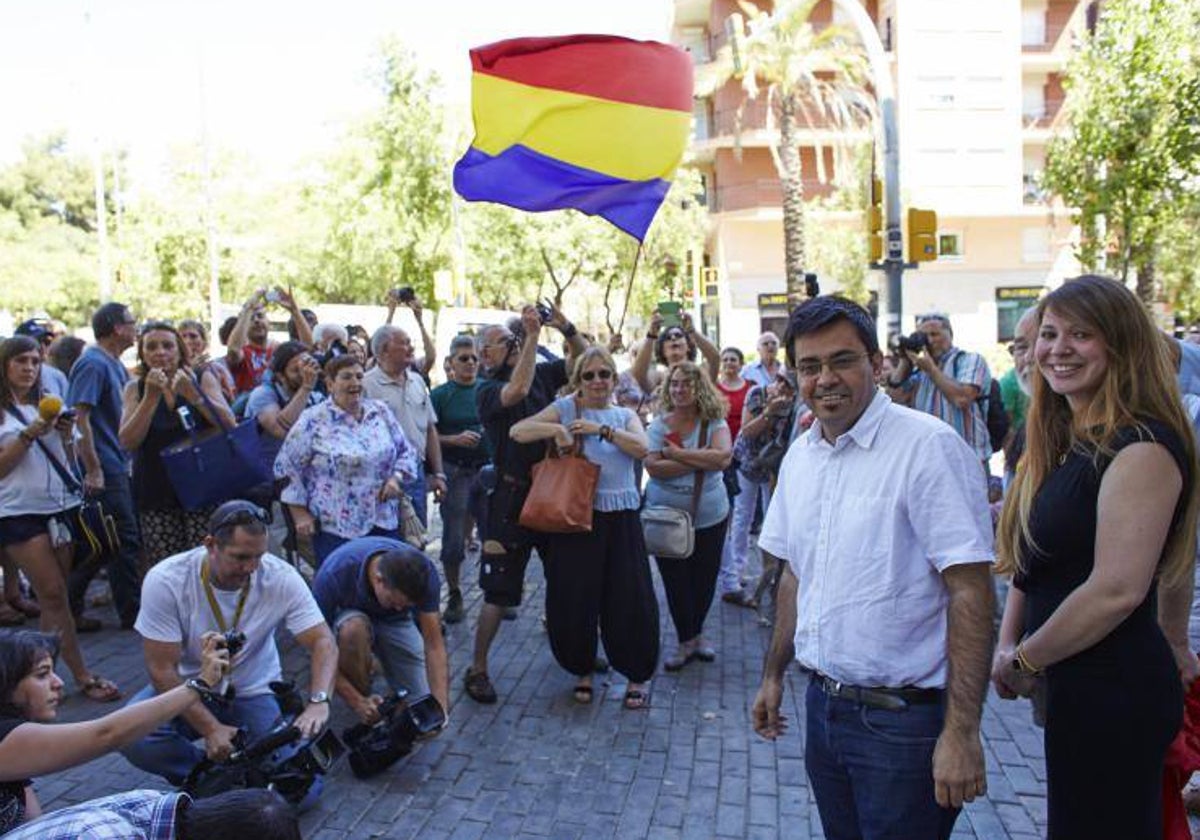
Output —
(604, 66)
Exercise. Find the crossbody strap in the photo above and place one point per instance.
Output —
(68, 478)
(698, 475)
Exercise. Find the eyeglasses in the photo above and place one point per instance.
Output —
(237, 513)
(842, 362)
(1018, 347)
(465, 359)
(588, 375)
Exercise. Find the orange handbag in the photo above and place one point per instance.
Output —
(561, 494)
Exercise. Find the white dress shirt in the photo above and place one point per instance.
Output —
(868, 524)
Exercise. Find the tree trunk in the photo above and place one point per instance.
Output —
(1147, 290)
(792, 182)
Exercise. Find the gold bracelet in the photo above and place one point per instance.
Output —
(1023, 659)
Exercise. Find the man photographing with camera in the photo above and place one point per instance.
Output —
(228, 585)
(948, 381)
(514, 387)
(248, 351)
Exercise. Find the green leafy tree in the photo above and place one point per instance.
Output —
(810, 78)
(1131, 152)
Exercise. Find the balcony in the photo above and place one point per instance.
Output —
(1032, 194)
(761, 193)
(1044, 117)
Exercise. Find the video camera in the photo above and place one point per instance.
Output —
(376, 747)
(271, 762)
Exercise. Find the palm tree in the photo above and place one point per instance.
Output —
(817, 76)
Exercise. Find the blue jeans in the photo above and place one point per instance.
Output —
(872, 770)
(169, 751)
(464, 495)
(416, 490)
(117, 499)
(325, 542)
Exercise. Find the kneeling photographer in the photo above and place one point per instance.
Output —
(231, 586)
(381, 596)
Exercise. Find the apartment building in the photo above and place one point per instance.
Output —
(979, 94)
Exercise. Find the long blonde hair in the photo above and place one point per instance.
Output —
(1139, 384)
(710, 405)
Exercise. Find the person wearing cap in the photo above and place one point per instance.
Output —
(764, 371)
(54, 381)
(381, 598)
(97, 383)
(277, 405)
(947, 382)
(229, 583)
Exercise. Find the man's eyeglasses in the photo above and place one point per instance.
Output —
(841, 363)
(465, 359)
(588, 375)
(237, 513)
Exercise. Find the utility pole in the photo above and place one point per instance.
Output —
(210, 222)
(105, 279)
(893, 264)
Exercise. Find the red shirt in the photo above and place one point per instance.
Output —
(737, 399)
(248, 373)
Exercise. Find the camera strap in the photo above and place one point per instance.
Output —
(218, 613)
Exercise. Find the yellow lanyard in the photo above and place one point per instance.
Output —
(216, 608)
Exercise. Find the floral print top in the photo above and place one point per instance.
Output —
(336, 466)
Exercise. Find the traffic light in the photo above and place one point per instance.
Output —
(875, 221)
(922, 235)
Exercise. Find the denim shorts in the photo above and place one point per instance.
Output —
(400, 648)
(15, 530)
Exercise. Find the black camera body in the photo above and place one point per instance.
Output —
(544, 312)
(914, 343)
(266, 763)
(376, 747)
(234, 641)
(404, 294)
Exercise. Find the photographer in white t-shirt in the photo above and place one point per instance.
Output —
(228, 584)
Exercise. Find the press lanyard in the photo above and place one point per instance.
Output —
(218, 614)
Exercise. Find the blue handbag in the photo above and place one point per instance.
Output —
(215, 465)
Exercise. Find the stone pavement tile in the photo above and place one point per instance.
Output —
(1015, 818)
(731, 820)
(1023, 780)
(764, 809)
(984, 821)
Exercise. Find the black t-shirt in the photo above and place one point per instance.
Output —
(12, 794)
(512, 458)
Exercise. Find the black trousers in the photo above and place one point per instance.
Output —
(602, 577)
(690, 582)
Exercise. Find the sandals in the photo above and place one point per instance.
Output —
(676, 662)
(479, 687)
(636, 699)
(583, 693)
(100, 690)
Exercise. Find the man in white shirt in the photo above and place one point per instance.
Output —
(229, 583)
(885, 596)
(393, 381)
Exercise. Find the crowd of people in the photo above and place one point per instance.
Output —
(862, 474)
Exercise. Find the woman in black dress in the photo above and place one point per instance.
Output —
(1100, 520)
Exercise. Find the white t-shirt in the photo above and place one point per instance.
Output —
(868, 525)
(33, 487)
(176, 609)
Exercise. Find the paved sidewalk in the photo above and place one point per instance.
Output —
(537, 765)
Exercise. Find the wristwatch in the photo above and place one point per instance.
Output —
(202, 688)
(318, 697)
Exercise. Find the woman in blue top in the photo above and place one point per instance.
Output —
(690, 442)
(603, 575)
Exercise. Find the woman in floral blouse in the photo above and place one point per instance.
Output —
(346, 460)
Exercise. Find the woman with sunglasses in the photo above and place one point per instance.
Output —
(464, 452)
(668, 347)
(38, 495)
(690, 443)
(30, 694)
(603, 575)
(160, 403)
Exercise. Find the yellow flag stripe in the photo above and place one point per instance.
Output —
(633, 142)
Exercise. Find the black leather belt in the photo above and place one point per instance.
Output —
(877, 697)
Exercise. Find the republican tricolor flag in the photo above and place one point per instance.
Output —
(591, 122)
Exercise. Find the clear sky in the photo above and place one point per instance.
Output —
(280, 78)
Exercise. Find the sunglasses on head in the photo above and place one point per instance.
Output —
(673, 333)
(589, 375)
(237, 513)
